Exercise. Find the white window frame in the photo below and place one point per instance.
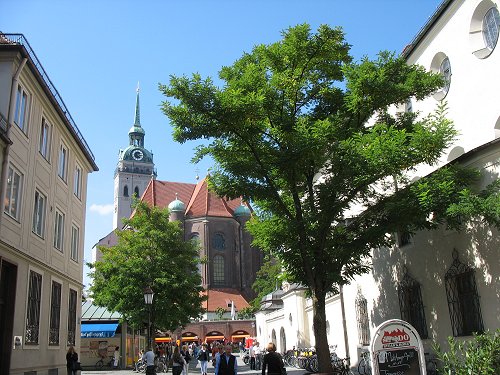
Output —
(59, 220)
(77, 181)
(75, 242)
(13, 194)
(62, 167)
(39, 207)
(21, 112)
(44, 142)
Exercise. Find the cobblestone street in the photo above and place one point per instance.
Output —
(193, 370)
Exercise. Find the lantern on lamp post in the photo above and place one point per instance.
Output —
(148, 299)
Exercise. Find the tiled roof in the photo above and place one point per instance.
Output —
(93, 312)
(222, 297)
(161, 193)
(198, 199)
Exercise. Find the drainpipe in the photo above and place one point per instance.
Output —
(5, 161)
(344, 323)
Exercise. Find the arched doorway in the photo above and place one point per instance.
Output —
(239, 336)
(273, 337)
(213, 336)
(189, 337)
(282, 347)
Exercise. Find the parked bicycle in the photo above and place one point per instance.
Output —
(430, 364)
(364, 365)
(101, 363)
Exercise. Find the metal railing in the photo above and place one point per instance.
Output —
(19, 39)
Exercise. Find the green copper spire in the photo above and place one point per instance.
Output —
(137, 110)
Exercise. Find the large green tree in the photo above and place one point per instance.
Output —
(151, 253)
(309, 137)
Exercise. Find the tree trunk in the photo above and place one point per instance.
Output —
(319, 327)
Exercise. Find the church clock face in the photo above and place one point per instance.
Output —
(137, 154)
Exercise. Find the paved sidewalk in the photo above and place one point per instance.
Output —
(194, 369)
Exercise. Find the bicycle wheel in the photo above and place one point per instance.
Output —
(362, 367)
(99, 363)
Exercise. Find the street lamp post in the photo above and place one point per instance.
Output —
(148, 299)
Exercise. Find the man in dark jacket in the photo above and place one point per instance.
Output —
(226, 364)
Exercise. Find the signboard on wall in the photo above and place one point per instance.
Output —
(396, 349)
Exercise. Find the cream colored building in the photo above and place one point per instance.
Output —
(43, 180)
(444, 283)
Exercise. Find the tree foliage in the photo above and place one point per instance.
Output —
(309, 137)
(480, 355)
(269, 277)
(151, 252)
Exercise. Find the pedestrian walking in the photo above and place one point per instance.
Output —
(273, 362)
(226, 363)
(116, 357)
(149, 359)
(187, 357)
(258, 355)
(251, 353)
(72, 364)
(203, 358)
(177, 361)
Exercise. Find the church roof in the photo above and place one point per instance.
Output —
(201, 201)
(222, 298)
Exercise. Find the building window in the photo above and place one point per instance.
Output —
(39, 214)
(218, 270)
(72, 316)
(362, 319)
(445, 71)
(55, 314)
(219, 243)
(411, 305)
(33, 314)
(441, 65)
(125, 191)
(21, 112)
(77, 182)
(44, 144)
(491, 24)
(75, 241)
(136, 192)
(63, 162)
(463, 299)
(13, 193)
(59, 231)
(404, 238)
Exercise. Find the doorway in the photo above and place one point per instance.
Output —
(8, 277)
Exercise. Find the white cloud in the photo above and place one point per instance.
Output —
(102, 209)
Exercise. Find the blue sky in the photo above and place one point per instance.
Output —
(95, 52)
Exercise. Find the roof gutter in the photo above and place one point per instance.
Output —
(407, 51)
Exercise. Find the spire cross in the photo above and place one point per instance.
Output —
(137, 121)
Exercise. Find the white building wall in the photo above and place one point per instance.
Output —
(473, 106)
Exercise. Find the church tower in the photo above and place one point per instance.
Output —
(134, 170)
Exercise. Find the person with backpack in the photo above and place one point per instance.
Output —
(177, 362)
(187, 358)
(203, 358)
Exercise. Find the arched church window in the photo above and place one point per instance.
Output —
(411, 304)
(125, 191)
(195, 237)
(136, 191)
(362, 319)
(218, 270)
(463, 298)
(218, 241)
